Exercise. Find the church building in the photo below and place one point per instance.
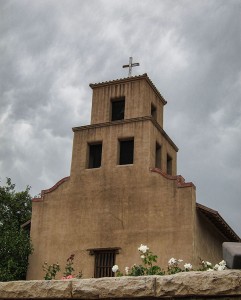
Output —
(123, 191)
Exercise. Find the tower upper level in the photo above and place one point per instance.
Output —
(126, 98)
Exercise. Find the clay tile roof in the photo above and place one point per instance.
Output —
(219, 222)
(132, 78)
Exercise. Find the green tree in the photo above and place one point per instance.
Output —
(15, 245)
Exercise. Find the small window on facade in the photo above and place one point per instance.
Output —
(118, 109)
(104, 261)
(126, 148)
(95, 153)
(169, 165)
(158, 156)
(153, 111)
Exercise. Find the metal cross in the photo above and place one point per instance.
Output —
(130, 66)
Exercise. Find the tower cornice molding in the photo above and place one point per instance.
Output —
(129, 79)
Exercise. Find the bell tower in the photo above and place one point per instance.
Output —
(126, 128)
(129, 98)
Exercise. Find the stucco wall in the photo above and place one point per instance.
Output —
(208, 240)
(114, 205)
(149, 209)
(139, 96)
(63, 228)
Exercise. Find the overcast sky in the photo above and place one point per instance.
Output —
(50, 50)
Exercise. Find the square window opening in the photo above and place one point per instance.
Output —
(126, 151)
(104, 261)
(118, 109)
(158, 156)
(153, 111)
(169, 165)
(95, 154)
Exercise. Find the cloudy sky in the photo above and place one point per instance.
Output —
(52, 49)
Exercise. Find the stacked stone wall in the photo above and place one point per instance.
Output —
(189, 285)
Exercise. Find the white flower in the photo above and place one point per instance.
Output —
(143, 248)
(222, 263)
(115, 268)
(188, 266)
(142, 256)
(127, 270)
(172, 261)
(221, 268)
(207, 264)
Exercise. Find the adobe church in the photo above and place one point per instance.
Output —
(123, 191)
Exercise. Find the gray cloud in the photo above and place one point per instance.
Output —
(51, 51)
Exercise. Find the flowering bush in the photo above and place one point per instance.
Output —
(52, 270)
(187, 267)
(221, 266)
(173, 266)
(148, 266)
(207, 266)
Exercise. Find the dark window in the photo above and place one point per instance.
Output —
(104, 261)
(158, 156)
(95, 152)
(126, 152)
(169, 165)
(117, 109)
(153, 111)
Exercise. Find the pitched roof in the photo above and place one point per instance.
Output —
(128, 79)
(218, 222)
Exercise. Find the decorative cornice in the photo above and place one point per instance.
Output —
(180, 181)
(54, 187)
(112, 123)
(164, 133)
(128, 79)
(125, 121)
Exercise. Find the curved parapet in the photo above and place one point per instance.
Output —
(54, 187)
(180, 181)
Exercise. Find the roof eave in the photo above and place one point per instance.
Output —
(218, 222)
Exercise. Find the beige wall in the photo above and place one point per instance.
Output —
(145, 135)
(138, 99)
(122, 210)
(208, 240)
(114, 205)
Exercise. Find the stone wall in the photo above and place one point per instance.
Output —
(192, 285)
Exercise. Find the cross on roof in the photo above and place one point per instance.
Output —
(130, 66)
